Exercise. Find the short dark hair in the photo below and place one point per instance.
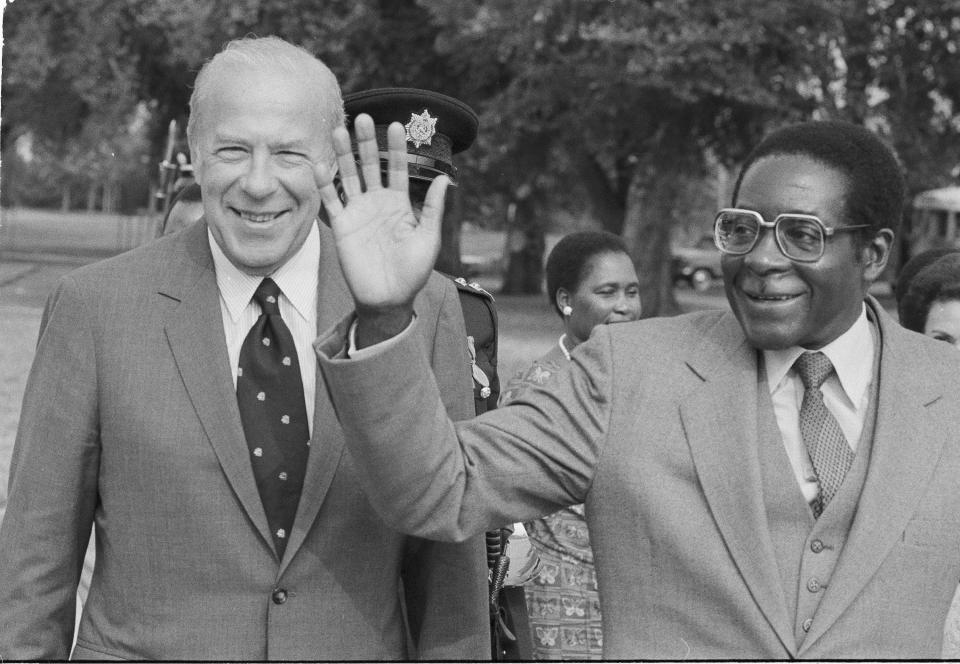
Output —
(936, 281)
(915, 265)
(569, 258)
(876, 188)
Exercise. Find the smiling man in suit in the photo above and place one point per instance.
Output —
(774, 482)
(174, 404)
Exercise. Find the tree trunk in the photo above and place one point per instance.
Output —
(110, 196)
(525, 245)
(648, 224)
(92, 191)
(605, 202)
(526, 228)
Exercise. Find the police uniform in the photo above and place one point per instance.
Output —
(480, 317)
(437, 127)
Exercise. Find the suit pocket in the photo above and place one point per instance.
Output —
(933, 534)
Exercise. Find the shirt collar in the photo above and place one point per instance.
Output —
(297, 278)
(851, 355)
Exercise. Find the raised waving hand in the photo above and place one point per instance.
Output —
(386, 252)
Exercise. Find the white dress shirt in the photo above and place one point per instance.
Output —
(297, 278)
(846, 393)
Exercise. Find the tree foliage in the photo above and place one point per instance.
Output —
(612, 111)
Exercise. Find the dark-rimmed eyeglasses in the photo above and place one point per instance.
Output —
(800, 237)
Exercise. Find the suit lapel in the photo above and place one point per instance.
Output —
(905, 451)
(720, 421)
(195, 333)
(326, 444)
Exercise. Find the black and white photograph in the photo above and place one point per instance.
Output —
(479, 330)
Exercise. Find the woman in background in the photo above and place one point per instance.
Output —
(928, 295)
(591, 280)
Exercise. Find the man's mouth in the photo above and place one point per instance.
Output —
(769, 297)
(256, 217)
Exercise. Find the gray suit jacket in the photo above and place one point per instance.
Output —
(130, 422)
(654, 426)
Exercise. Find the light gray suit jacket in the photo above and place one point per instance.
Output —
(130, 422)
(654, 426)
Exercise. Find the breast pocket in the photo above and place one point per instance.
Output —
(926, 533)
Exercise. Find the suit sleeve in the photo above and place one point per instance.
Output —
(52, 486)
(445, 586)
(431, 477)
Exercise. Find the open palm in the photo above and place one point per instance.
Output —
(386, 252)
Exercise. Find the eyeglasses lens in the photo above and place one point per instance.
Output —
(735, 232)
(801, 239)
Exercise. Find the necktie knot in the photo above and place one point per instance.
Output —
(813, 369)
(267, 296)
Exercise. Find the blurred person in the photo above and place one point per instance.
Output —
(185, 208)
(191, 429)
(929, 295)
(591, 281)
(776, 481)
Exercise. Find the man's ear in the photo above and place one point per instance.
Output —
(875, 254)
(561, 298)
(197, 164)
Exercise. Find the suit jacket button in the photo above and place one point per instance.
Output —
(816, 546)
(279, 596)
(813, 585)
(806, 624)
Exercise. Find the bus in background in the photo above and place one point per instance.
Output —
(934, 221)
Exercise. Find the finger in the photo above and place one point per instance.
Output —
(432, 214)
(346, 162)
(398, 175)
(323, 175)
(366, 134)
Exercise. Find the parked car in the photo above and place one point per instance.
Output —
(699, 265)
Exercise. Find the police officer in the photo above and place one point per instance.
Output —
(438, 127)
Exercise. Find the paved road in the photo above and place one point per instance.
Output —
(24, 286)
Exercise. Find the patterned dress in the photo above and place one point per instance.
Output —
(562, 601)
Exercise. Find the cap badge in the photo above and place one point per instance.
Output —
(421, 128)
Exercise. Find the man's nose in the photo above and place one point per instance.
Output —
(259, 181)
(766, 254)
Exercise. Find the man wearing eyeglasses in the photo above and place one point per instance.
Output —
(776, 482)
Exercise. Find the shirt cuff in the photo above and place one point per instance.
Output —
(355, 353)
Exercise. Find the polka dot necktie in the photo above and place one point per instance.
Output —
(270, 397)
(828, 448)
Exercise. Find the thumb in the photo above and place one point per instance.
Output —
(431, 215)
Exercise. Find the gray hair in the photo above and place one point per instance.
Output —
(276, 55)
